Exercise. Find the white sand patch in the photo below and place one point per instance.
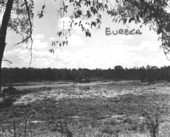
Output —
(72, 93)
(93, 90)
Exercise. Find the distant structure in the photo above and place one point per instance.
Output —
(82, 80)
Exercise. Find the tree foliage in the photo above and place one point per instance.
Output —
(17, 16)
(21, 18)
(143, 74)
(86, 14)
(149, 12)
(146, 12)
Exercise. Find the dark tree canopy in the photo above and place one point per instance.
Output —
(143, 74)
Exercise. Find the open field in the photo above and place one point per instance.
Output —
(110, 108)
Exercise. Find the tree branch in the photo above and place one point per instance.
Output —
(23, 40)
(31, 27)
(6, 60)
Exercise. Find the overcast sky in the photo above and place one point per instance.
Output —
(99, 51)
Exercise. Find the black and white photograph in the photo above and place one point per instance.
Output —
(84, 68)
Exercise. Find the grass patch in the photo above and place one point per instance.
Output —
(124, 114)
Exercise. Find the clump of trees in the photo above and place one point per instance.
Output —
(144, 74)
(10, 95)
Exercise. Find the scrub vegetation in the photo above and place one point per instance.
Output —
(111, 108)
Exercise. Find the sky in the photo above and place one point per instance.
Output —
(98, 51)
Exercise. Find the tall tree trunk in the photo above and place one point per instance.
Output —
(3, 32)
(1, 55)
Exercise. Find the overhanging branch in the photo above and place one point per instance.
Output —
(30, 29)
(6, 60)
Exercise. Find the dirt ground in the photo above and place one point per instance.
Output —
(110, 108)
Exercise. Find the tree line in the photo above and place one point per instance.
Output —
(144, 74)
(146, 12)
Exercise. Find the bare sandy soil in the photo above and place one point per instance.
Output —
(108, 89)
